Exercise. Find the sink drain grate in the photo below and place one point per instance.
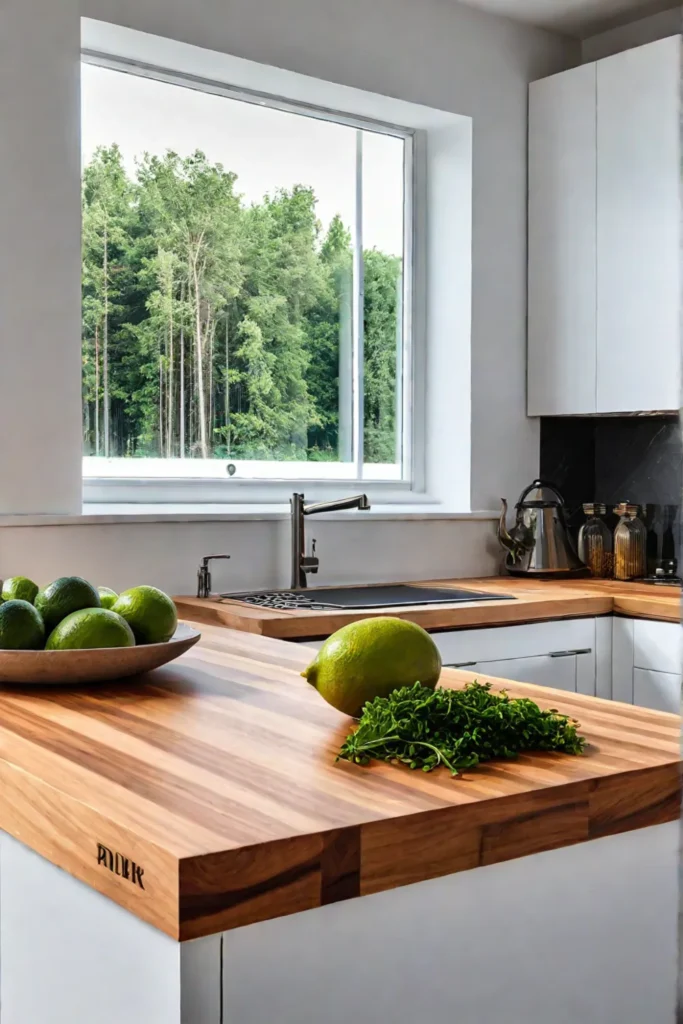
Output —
(282, 601)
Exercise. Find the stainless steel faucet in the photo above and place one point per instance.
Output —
(302, 563)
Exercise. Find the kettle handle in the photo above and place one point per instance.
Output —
(541, 483)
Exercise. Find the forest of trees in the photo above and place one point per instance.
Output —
(211, 328)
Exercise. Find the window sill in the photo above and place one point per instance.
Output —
(107, 515)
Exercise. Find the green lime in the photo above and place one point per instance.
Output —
(19, 588)
(66, 595)
(150, 613)
(369, 659)
(108, 598)
(88, 629)
(21, 627)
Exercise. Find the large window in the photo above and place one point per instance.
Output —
(246, 285)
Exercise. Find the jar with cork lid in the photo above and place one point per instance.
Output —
(630, 543)
(596, 542)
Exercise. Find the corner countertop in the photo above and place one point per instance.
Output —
(536, 601)
(206, 796)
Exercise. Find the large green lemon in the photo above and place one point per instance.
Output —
(66, 595)
(369, 659)
(150, 613)
(21, 627)
(88, 629)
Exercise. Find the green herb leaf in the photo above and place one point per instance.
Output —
(459, 729)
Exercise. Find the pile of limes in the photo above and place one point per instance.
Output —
(71, 614)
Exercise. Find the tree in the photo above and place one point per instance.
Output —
(192, 206)
(106, 209)
(329, 334)
(282, 280)
(382, 286)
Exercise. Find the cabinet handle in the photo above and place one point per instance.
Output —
(570, 654)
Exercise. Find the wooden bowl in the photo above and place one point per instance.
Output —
(74, 668)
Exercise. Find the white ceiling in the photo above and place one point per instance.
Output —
(575, 17)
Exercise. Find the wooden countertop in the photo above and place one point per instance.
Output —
(207, 796)
(535, 601)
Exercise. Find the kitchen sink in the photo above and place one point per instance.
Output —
(329, 598)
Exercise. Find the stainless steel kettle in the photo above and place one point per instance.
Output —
(538, 544)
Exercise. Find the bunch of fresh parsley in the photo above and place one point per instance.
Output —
(426, 728)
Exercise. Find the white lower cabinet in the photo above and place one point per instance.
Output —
(658, 690)
(546, 670)
(647, 663)
(560, 654)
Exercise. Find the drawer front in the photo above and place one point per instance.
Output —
(560, 673)
(506, 642)
(657, 646)
(658, 690)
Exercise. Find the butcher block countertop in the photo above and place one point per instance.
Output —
(206, 796)
(536, 601)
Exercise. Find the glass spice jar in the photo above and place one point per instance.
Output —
(630, 540)
(595, 542)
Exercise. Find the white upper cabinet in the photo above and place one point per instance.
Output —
(638, 170)
(562, 243)
(604, 252)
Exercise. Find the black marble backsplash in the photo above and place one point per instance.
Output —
(614, 459)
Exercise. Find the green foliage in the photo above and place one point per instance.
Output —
(212, 328)
(382, 278)
(459, 729)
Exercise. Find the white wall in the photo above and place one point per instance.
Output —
(636, 33)
(40, 389)
(166, 555)
(433, 52)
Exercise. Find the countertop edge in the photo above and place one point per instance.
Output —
(29, 807)
(433, 844)
(562, 601)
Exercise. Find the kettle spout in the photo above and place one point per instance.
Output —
(503, 535)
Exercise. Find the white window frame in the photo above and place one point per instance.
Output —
(187, 480)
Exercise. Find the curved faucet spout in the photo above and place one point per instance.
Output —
(359, 501)
(302, 563)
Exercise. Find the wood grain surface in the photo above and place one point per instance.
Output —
(535, 601)
(216, 779)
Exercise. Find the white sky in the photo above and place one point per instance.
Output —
(268, 149)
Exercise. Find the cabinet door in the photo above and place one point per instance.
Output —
(562, 243)
(622, 659)
(638, 167)
(658, 690)
(658, 646)
(544, 670)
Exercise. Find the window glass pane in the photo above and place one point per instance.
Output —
(383, 235)
(218, 285)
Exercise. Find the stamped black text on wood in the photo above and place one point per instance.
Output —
(120, 865)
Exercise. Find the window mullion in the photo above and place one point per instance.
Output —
(358, 315)
(406, 356)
